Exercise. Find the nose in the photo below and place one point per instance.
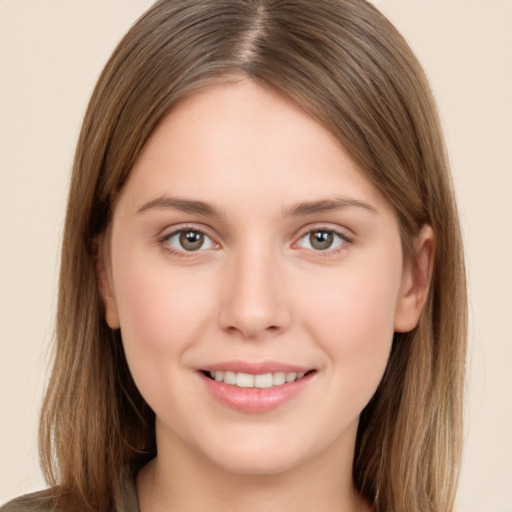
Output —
(253, 299)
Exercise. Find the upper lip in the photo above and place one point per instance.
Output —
(256, 368)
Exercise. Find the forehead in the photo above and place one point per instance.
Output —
(247, 141)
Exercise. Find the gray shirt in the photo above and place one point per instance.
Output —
(41, 501)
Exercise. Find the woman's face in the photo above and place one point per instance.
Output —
(257, 279)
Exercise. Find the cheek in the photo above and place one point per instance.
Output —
(162, 313)
(161, 309)
(352, 319)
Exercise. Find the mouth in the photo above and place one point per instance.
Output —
(256, 388)
(260, 381)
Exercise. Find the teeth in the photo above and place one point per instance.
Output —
(290, 377)
(262, 381)
(244, 380)
(229, 378)
(278, 378)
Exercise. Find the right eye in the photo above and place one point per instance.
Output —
(323, 240)
(188, 240)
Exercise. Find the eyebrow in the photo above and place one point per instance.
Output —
(298, 209)
(184, 205)
(325, 205)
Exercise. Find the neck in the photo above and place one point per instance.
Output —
(180, 480)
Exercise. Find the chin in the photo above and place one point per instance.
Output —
(258, 466)
(257, 457)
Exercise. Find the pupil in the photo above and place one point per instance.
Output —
(191, 240)
(321, 240)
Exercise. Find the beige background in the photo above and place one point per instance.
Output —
(51, 53)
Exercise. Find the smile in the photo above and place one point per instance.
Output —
(255, 388)
(262, 381)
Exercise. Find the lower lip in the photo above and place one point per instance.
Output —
(255, 400)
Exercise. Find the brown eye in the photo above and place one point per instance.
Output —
(187, 240)
(321, 240)
(191, 240)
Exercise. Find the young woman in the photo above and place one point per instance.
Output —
(262, 294)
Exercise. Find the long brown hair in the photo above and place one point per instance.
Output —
(345, 65)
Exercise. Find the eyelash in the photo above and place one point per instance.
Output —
(164, 241)
(343, 237)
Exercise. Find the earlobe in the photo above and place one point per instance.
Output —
(105, 286)
(111, 316)
(415, 281)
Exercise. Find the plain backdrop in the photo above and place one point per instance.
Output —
(51, 53)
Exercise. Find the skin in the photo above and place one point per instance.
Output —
(257, 290)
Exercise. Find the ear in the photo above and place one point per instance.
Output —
(416, 279)
(104, 283)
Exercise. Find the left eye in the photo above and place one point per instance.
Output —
(321, 240)
(189, 240)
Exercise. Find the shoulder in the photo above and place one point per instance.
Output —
(42, 501)
(51, 500)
